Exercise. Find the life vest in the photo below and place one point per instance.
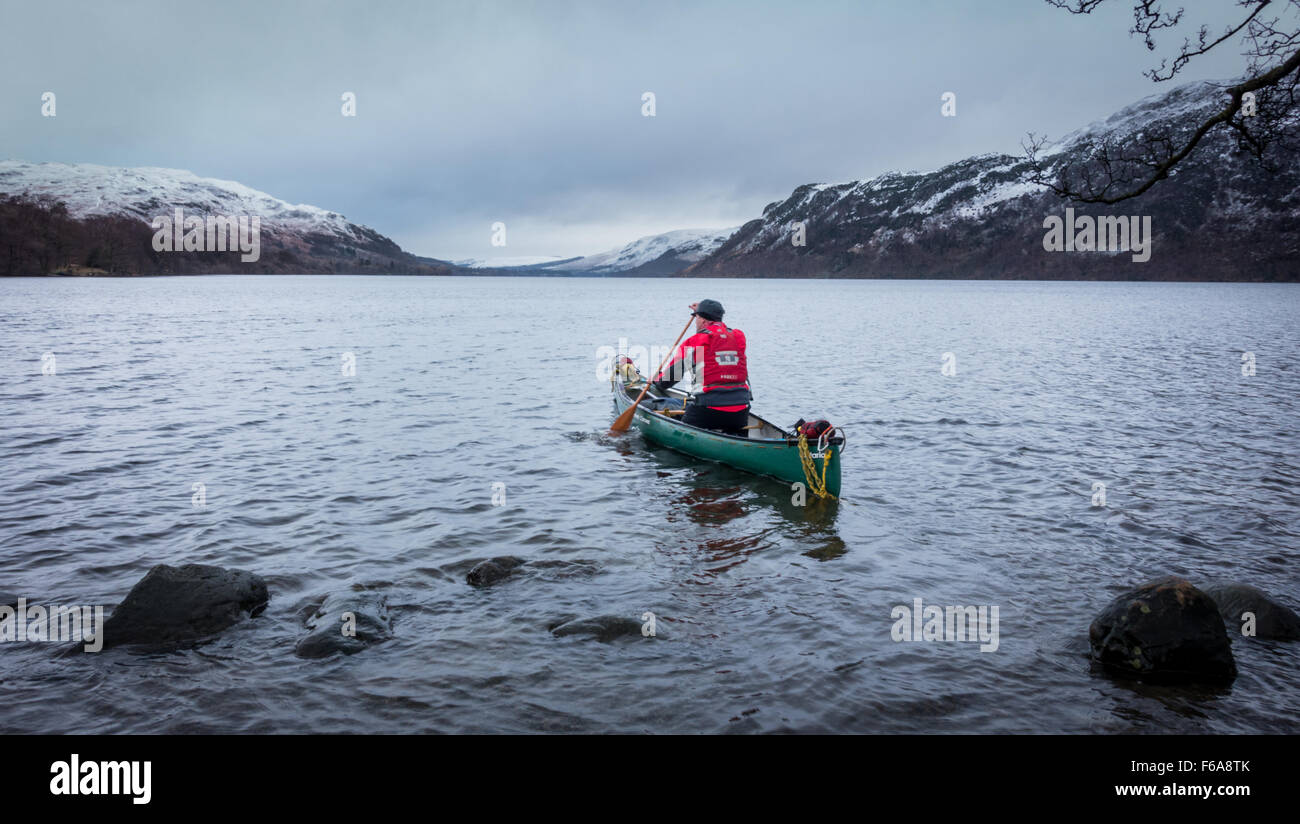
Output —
(722, 364)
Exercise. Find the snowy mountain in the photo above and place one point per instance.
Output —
(508, 262)
(653, 255)
(1219, 216)
(123, 202)
(149, 191)
(650, 256)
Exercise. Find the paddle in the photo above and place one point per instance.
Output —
(623, 421)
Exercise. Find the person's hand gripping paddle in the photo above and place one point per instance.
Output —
(624, 420)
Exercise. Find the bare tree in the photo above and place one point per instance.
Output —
(1260, 111)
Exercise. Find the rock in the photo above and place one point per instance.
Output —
(1272, 620)
(1165, 630)
(346, 622)
(602, 628)
(183, 603)
(491, 571)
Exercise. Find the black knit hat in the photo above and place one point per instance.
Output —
(709, 310)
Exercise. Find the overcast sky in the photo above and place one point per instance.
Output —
(530, 113)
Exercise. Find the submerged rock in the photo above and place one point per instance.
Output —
(346, 622)
(1272, 620)
(491, 571)
(183, 603)
(602, 628)
(1165, 630)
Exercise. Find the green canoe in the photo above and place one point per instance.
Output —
(769, 449)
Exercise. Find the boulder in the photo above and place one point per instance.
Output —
(346, 622)
(1272, 620)
(1165, 630)
(182, 603)
(493, 570)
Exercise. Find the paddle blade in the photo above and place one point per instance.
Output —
(623, 421)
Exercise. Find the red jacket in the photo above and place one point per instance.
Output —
(717, 357)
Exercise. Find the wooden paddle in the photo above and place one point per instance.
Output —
(623, 421)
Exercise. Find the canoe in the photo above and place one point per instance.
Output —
(768, 450)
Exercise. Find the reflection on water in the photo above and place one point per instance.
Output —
(1162, 707)
(709, 506)
(703, 501)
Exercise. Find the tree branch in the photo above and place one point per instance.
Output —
(1110, 174)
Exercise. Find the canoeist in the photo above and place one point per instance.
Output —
(716, 356)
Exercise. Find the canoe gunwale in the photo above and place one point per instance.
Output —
(621, 389)
(788, 438)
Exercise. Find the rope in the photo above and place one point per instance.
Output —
(815, 482)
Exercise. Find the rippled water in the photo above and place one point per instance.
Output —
(973, 489)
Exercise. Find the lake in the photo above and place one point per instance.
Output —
(975, 487)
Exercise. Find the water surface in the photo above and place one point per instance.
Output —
(974, 488)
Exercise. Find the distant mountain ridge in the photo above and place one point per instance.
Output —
(1219, 216)
(649, 256)
(81, 217)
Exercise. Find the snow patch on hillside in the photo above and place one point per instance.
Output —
(690, 245)
(508, 262)
(147, 192)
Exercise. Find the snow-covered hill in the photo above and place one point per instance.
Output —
(671, 250)
(1220, 215)
(663, 254)
(512, 261)
(149, 191)
(294, 237)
